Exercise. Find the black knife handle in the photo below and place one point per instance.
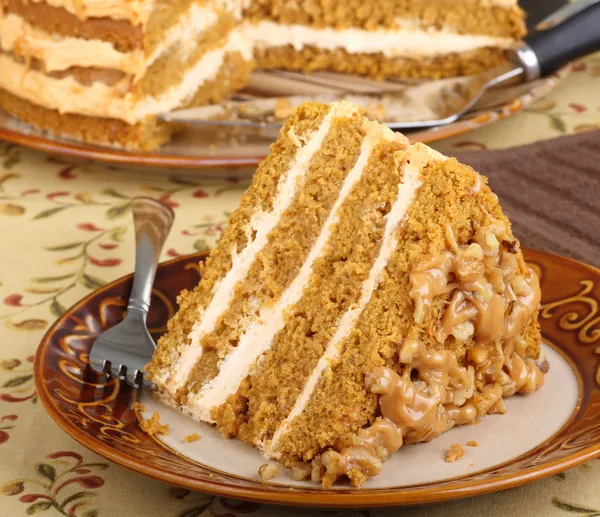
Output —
(573, 38)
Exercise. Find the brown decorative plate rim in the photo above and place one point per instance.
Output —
(38, 140)
(570, 320)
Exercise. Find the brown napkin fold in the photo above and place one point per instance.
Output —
(550, 190)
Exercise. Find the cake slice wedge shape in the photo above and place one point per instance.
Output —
(367, 293)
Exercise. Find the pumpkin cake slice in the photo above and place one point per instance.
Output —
(367, 293)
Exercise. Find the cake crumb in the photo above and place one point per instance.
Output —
(283, 108)
(194, 437)
(473, 443)
(268, 470)
(138, 405)
(455, 452)
(153, 426)
(470, 465)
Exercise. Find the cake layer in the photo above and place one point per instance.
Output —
(67, 95)
(258, 200)
(498, 18)
(148, 134)
(264, 249)
(407, 40)
(292, 247)
(124, 35)
(379, 66)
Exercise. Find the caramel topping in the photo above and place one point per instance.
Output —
(490, 304)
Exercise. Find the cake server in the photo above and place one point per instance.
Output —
(126, 348)
(573, 31)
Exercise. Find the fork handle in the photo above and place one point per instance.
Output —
(152, 221)
(547, 50)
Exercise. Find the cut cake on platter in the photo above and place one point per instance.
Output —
(102, 71)
(366, 293)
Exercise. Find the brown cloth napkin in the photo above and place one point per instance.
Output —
(550, 191)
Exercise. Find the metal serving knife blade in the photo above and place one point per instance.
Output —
(572, 32)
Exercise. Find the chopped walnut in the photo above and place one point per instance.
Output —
(268, 470)
(301, 470)
(473, 443)
(194, 437)
(153, 426)
(138, 405)
(455, 452)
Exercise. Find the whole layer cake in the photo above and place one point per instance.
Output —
(101, 71)
(383, 38)
(365, 294)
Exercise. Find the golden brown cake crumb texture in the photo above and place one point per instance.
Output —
(258, 197)
(473, 443)
(455, 452)
(288, 246)
(194, 437)
(466, 16)
(341, 403)
(378, 66)
(334, 286)
(138, 406)
(152, 426)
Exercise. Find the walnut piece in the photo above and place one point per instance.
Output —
(268, 470)
(455, 452)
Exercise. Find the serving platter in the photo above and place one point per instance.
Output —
(557, 427)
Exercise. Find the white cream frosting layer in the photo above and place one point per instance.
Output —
(258, 337)
(61, 53)
(100, 100)
(417, 157)
(261, 224)
(407, 41)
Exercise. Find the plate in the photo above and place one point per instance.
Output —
(558, 427)
(207, 147)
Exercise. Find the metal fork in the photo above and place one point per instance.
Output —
(126, 348)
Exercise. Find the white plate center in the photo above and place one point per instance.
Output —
(530, 420)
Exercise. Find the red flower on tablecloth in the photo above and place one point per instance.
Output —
(67, 173)
(89, 227)
(5, 425)
(200, 193)
(14, 300)
(57, 193)
(57, 483)
(107, 262)
(579, 108)
(108, 245)
(171, 252)
(166, 199)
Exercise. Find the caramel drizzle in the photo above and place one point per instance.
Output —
(491, 303)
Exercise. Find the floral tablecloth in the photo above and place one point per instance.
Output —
(65, 229)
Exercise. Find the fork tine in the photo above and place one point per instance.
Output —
(132, 378)
(102, 366)
(119, 371)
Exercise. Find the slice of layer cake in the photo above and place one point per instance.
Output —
(366, 293)
(385, 38)
(102, 71)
